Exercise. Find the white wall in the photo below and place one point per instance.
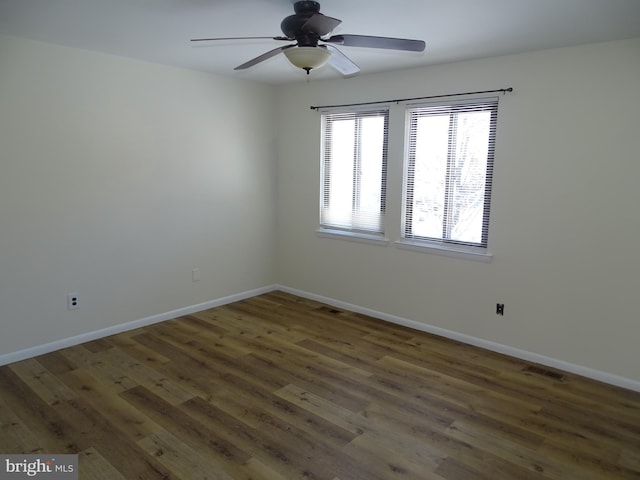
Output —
(117, 178)
(564, 221)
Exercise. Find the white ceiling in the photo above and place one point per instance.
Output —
(160, 30)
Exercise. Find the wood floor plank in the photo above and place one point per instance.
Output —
(57, 363)
(283, 351)
(390, 439)
(116, 411)
(630, 459)
(521, 455)
(190, 432)
(46, 385)
(585, 463)
(278, 387)
(15, 437)
(178, 457)
(340, 416)
(280, 413)
(208, 332)
(451, 469)
(231, 404)
(125, 343)
(216, 357)
(193, 373)
(341, 394)
(94, 466)
(382, 463)
(267, 445)
(54, 432)
(241, 319)
(343, 352)
(257, 470)
(83, 358)
(142, 374)
(92, 429)
(605, 430)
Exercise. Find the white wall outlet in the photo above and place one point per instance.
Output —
(73, 301)
(195, 275)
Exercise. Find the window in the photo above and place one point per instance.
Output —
(354, 171)
(448, 173)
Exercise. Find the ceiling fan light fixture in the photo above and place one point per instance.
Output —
(307, 58)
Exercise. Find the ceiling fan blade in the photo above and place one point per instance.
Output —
(340, 61)
(239, 38)
(263, 57)
(321, 24)
(377, 42)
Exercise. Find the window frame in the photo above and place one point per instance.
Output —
(353, 232)
(443, 245)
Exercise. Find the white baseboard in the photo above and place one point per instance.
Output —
(478, 342)
(124, 327)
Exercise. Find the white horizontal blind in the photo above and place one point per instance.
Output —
(450, 171)
(354, 170)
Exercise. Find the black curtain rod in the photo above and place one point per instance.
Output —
(500, 90)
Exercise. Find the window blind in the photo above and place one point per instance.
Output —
(449, 171)
(354, 170)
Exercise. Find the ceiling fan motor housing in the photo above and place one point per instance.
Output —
(306, 7)
(292, 25)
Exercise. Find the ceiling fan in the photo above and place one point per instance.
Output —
(314, 47)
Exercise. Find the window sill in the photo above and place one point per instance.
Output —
(371, 239)
(469, 253)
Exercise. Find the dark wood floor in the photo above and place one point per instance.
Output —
(279, 387)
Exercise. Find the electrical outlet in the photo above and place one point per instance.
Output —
(499, 308)
(195, 275)
(73, 301)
